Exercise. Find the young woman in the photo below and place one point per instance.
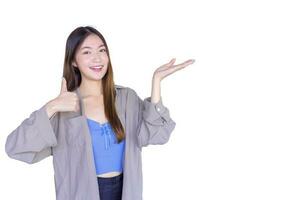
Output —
(94, 129)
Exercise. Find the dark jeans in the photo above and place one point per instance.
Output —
(110, 188)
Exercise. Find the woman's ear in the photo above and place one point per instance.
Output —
(74, 64)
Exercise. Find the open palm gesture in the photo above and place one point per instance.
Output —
(169, 68)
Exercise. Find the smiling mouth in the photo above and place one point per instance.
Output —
(96, 68)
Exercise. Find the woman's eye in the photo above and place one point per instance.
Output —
(87, 52)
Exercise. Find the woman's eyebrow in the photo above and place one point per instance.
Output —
(91, 47)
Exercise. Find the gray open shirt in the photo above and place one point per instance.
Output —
(66, 137)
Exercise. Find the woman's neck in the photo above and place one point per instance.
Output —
(91, 88)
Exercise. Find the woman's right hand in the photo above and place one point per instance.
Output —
(64, 102)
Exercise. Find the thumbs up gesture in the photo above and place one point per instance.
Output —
(63, 87)
(64, 102)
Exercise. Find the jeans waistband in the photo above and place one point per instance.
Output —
(111, 179)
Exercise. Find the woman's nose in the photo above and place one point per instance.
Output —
(97, 57)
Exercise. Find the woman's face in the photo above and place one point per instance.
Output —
(91, 58)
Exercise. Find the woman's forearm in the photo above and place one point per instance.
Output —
(155, 92)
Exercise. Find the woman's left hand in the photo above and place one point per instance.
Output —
(167, 69)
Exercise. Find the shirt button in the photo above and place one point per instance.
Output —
(158, 109)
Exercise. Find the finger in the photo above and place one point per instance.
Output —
(165, 66)
(77, 108)
(172, 62)
(190, 61)
(186, 63)
(63, 87)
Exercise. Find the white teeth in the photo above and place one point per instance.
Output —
(98, 67)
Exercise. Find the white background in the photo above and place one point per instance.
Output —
(236, 108)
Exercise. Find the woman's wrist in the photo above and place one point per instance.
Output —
(50, 108)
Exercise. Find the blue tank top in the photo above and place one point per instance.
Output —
(108, 154)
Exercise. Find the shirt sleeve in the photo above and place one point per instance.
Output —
(154, 122)
(34, 138)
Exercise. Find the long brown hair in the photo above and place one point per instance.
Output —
(73, 76)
